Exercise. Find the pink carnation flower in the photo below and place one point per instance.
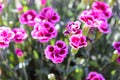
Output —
(95, 76)
(18, 52)
(73, 28)
(78, 41)
(116, 45)
(48, 14)
(86, 18)
(102, 6)
(56, 53)
(6, 35)
(28, 18)
(20, 35)
(44, 31)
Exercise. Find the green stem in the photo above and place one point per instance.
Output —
(25, 73)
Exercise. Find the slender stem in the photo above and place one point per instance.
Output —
(87, 56)
(68, 64)
(25, 73)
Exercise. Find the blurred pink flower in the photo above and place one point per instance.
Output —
(1, 7)
(95, 76)
(28, 18)
(43, 2)
(19, 8)
(116, 45)
(118, 59)
(56, 53)
(73, 28)
(44, 31)
(102, 6)
(18, 52)
(20, 35)
(6, 35)
(104, 26)
(78, 41)
(48, 14)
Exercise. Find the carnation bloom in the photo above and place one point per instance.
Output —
(102, 6)
(56, 53)
(6, 35)
(44, 31)
(48, 14)
(20, 35)
(73, 28)
(95, 76)
(78, 41)
(28, 17)
(116, 45)
(18, 52)
(86, 18)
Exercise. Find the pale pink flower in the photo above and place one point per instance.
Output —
(20, 35)
(73, 28)
(19, 7)
(6, 35)
(28, 18)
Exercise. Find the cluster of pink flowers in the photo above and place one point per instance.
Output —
(97, 16)
(116, 45)
(43, 23)
(18, 52)
(44, 31)
(77, 40)
(95, 76)
(6, 35)
(56, 53)
(20, 35)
